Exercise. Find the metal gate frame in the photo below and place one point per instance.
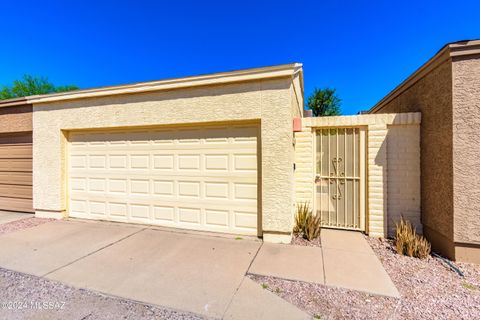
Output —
(363, 174)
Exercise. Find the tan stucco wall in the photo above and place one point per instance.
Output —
(16, 119)
(432, 96)
(386, 199)
(466, 151)
(268, 101)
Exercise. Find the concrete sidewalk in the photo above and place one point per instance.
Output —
(10, 216)
(191, 272)
(344, 260)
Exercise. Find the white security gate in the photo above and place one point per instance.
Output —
(202, 179)
(340, 179)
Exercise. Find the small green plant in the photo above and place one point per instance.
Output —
(468, 286)
(307, 224)
(316, 316)
(408, 242)
(278, 290)
(238, 238)
(264, 286)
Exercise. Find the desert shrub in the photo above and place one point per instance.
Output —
(303, 210)
(312, 226)
(307, 224)
(408, 242)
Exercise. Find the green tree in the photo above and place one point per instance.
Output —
(324, 102)
(30, 85)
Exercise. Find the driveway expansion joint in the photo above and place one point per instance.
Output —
(241, 282)
(93, 252)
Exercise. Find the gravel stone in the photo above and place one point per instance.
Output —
(429, 288)
(22, 224)
(301, 241)
(328, 302)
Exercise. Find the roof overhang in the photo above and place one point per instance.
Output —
(285, 70)
(449, 51)
(13, 102)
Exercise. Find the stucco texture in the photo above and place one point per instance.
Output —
(16, 119)
(267, 102)
(466, 149)
(432, 96)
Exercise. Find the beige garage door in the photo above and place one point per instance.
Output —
(202, 179)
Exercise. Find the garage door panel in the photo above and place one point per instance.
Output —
(16, 151)
(245, 162)
(16, 178)
(16, 191)
(164, 213)
(245, 219)
(118, 210)
(217, 190)
(203, 179)
(217, 218)
(16, 171)
(164, 162)
(16, 204)
(23, 165)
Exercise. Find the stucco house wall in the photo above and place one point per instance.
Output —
(466, 156)
(446, 91)
(392, 162)
(269, 102)
(15, 117)
(432, 96)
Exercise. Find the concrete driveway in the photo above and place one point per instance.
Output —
(10, 216)
(185, 271)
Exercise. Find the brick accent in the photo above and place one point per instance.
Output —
(377, 179)
(391, 140)
(304, 165)
(403, 174)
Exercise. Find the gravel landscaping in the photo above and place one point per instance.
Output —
(22, 224)
(27, 297)
(328, 302)
(429, 290)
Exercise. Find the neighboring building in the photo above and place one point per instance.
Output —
(16, 155)
(446, 90)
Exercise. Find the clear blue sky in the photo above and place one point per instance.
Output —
(362, 48)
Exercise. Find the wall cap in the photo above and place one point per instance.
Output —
(407, 118)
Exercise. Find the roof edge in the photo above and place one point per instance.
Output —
(283, 70)
(453, 49)
(13, 102)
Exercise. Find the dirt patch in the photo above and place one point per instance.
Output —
(22, 224)
(27, 297)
